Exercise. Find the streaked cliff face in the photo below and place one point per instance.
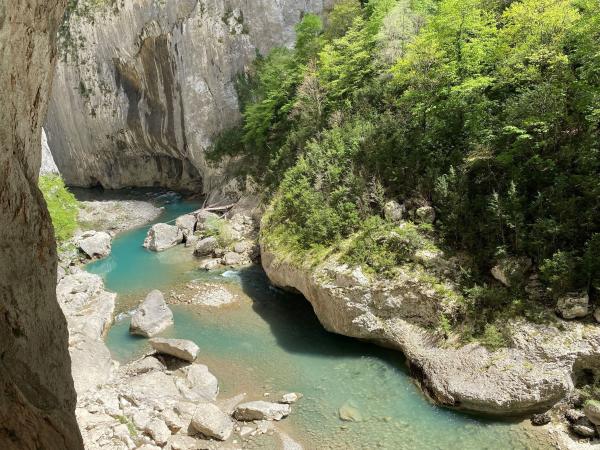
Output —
(144, 86)
(37, 398)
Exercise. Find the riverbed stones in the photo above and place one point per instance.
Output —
(394, 211)
(212, 422)
(179, 348)
(152, 317)
(158, 431)
(196, 382)
(206, 246)
(261, 410)
(162, 237)
(573, 305)
(591, 408)
(95, 244)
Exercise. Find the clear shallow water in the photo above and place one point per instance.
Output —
(270, 341)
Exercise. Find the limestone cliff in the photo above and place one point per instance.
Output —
(143, 86)
(37, 399)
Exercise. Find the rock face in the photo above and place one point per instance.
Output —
(37, 399)
(535, 372)
(179, 348)
(155, 82)
(261, 410)
(152, 317)
(48, 165)
(162, 237)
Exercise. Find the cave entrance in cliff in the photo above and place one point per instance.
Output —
(586, 375)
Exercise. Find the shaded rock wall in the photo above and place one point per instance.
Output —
(144, 86)
(37, 399)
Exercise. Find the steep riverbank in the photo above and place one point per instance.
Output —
(274, 339)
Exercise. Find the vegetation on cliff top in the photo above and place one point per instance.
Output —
(488, 111)
(62, 205)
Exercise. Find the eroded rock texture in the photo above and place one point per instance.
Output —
(37, 399)
(153, 82)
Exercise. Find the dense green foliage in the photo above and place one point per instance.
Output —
(62, 205)
(487, 110)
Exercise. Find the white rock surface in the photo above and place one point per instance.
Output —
(95, 244)
(573, 306)
(261, 410)
(212, 422)
(152, 316)
(179, 348)
(162, 237)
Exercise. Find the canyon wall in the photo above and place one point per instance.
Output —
(37, 399)
(144, 86)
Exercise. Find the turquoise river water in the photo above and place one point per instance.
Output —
(271, 342)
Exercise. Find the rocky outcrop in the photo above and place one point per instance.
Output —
(537, 370)
(153, 83)
(95, 244)
(37, 399)
(152, 316)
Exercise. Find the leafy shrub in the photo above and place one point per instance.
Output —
(62, 205)
(492, 338)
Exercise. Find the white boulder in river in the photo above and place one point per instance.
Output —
(152, 317)
(180, 348)
(162, 237)
(95, 244)
(261, 410)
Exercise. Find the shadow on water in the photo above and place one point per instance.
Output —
(297, 329)
(294, 324)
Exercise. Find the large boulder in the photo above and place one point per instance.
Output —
(394, 211)
(597, 314)
(212, 422)
(206, 246)
(261, 410)
(179, 348)
(186, 223)
(203, 218)
(152, 317)
(158, 430)
(95, 244)
(162, 237)
(573, 306)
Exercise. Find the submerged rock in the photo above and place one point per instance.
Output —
(573, 305)
(162, 237)
(95, 244)
(290, 398)
(179, 348)
(152, 317)
(261, 410)
(212, 422)
(349, 413)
